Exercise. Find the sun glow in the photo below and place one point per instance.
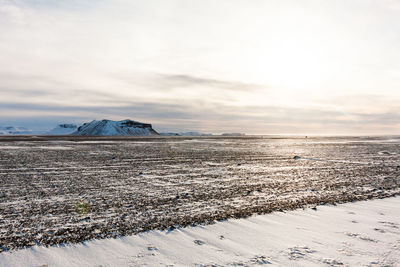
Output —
(184, 57)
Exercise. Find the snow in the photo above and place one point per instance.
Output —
(63, 129)
(14, 130)
(363, 233)
(115, 128)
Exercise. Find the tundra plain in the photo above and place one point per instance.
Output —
(70, 189)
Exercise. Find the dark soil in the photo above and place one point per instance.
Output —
(70, 189)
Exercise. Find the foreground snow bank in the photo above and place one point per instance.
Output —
(357, 234)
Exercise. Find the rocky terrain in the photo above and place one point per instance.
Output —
(55, 190)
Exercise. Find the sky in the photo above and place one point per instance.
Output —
(258, 66)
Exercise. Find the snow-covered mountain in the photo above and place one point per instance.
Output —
(63, 129)
(115, 128)
(13, 130)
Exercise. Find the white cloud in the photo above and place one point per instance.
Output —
(287, 54)
(11, 13)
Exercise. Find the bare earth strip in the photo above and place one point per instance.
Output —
(58, 190)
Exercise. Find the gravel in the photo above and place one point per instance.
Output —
(70, 189)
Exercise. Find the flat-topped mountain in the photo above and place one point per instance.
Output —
(115, 128)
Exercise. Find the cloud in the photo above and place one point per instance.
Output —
(268, 67)
(216, 118)
(184, 80)
(11, 13)
(120, 89)
(169, 82)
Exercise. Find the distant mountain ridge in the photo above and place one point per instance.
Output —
(63, 129)
(115, 128)
(103, 128)
(186, 134)
(14, 130)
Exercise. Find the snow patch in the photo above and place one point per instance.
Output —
(63, 129)
(14, 130)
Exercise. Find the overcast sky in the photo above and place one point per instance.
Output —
(254, 66)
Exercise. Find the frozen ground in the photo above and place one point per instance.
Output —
(363, 233)
(69, 189)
